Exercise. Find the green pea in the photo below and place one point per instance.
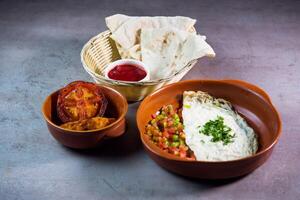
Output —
(181, 142)
(175, 137)
(175, 144)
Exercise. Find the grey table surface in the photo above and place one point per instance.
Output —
(40, 42)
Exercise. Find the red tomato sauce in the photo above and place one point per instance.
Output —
(127, 73)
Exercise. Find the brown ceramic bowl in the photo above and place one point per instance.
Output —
(117, 108)
(249, 101)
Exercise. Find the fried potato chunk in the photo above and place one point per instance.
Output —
(88, 124)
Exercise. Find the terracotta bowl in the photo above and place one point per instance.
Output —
(117, 108)
(249, 101)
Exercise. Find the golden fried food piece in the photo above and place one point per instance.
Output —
(88, 124)
(80, 100)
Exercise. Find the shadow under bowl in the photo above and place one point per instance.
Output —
(249, 101)
(116, 108)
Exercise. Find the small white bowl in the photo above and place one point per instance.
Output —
(138, 63)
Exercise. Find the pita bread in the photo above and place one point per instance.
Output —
(194, 47)
(132, 53)
(164, 44)
(126, 30)
(127, 35)
(115, 21)
(159, 49)
(167, 50)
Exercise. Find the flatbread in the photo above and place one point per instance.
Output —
(167, 50)
(159, 50)
(164, 44)
(126, 30)
(132, 53)
(194, 47)
(115, 21)
(127, 35)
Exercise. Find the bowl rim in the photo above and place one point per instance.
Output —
(125, 83)
(160, 153)
(94, 131)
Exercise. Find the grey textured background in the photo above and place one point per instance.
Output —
(40, 42)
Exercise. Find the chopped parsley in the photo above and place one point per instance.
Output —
(217, 130)
(187, 106)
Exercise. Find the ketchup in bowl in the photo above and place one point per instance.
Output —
(127, 72)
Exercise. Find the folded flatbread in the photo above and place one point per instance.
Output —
(194, 47)
(164, 44)
(167, 50)
(126, 30)
(115, 21)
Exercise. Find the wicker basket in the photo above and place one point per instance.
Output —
(101, 50)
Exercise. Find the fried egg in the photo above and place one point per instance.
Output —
(200, 108)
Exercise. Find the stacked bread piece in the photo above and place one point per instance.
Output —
(164, 44)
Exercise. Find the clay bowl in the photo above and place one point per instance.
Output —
(249, 101)
(117, 108)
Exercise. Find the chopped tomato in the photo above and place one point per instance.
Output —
(80, 100)
(166, 131)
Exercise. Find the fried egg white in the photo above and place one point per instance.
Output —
(198, 109)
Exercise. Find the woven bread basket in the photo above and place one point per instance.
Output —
(101, 50)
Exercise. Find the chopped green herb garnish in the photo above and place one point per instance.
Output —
(218, 130)
(187, 106)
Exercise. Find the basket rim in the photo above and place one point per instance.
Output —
(129, 83)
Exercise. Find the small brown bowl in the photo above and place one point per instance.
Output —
(248, 100)
(117, 108)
